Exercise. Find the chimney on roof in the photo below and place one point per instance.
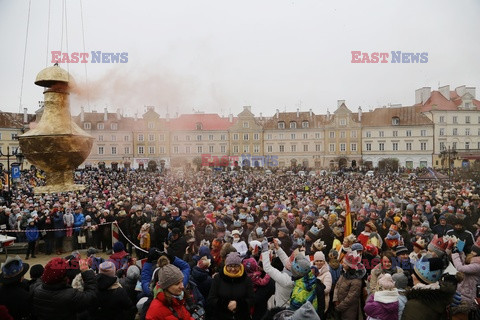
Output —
(422, 95)
(105, 114)
(277, 113)
(445, 91)
(328, 114)
(460, 90)
(230, 117)
(298, 112)
(249, 108)
(167, 116)
(25, 116)
(359, 114)
(136, 116)
(471, 90)
(311, 112)
(82, 114)
(119, 116)
(176, 114)
(261, 116)
(340, 102)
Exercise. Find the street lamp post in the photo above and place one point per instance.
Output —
(17, 155)
(449, 155)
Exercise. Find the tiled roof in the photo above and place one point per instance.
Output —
(14, 120)
(209, 121)
(382, 117)
(438, 102)
(287, 117)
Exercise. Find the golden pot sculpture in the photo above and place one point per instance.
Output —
(57, 145)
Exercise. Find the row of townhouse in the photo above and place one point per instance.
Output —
(417, 135)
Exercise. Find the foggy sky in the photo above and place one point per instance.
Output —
(219, 55)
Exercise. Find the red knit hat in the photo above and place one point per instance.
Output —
(55, 271)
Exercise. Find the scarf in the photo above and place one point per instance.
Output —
(234, 275)
(143, 237)
(396, 236)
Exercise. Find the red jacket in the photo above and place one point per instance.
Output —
(159, 311)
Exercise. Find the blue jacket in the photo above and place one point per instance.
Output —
(78, 221)
(32, 233)
(58, 224)
(149, 267)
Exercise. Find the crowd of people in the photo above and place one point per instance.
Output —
(245, 245)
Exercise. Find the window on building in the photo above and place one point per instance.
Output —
(381, 146)
(305, 136)
(0, 136)
(281, 148)
(293, 148)
(256, 148)
(199, 126)
(478, 132)
(368, 146)
(140, 137)
(151, 125)
(269, 149)
(318, 147)
(126, 150)
(381, 134)
(113, 126)
(454, 132)
(332, 147)
(305, 124)
(281, 136)
(161, 137)
(245, 136)
(318, 135)
(222, 149)
(342, 134)
(423, 146)
(353, 134)
(269, 136)
(223, 137)
(235, 136)
(454, 145)
(423, 164)
(395, 121)
(151, 137)
(467, 131)
(409, 164)
(293, 136)
(368, 134)
(151, 150)
(423, 133)
(100, 138)
(100, 150)
(442, 119)
(409, 133)
(293, 125)
(343, 122)
(210, 149)
(442, 131)
(162, 150)
(281, 125)
(332, 134)
(478, 145)
(100, 126)
(114, 138)
(395, 146)
(245, 124)
(408, 146)
(199, 137)
(455, 119)
(353, 147)
(467, 119)
(467, 145)
(87, 126)
(199, 149)
(141, 150)
(187, 149)
(175, 149)
(343, 147)
(395, 133)
(256, 136)
(175, 138)
(442, 146)
(210, 137)
(305, 148)
(235, 149)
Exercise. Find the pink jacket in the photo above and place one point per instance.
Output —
(467, 287)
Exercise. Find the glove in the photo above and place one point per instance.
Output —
(264, 246)
(457, 299)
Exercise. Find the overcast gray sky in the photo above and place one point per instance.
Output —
(219, 55)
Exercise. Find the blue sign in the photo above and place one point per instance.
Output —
(15, 172)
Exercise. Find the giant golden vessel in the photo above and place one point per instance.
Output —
(56, 145)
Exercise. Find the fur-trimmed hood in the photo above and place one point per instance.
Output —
(436, 299)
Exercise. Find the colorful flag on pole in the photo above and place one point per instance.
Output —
(348, 218)
(115, 233)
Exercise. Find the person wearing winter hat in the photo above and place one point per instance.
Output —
(383, 304)
(461, 233)
(387, 265)
(348, 290)
(403, 259)
(129, 283)
(393, 238)
(438, 246)
(14, 289)
(36, 272)
(430, 296)
(119, 257)
(56, 297)
(285, 239)
(323, 274)
(418, 251)
(357, 247)
(365, 234)
(112, 299)
(401, 283)
(305, 312)
(169, 298)
(231, 294)
(238, 243)
(442, 227)
(201, 275)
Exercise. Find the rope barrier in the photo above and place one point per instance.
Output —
(133, 244)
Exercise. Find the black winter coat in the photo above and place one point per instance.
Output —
(129, 286)
(225, 289)
(60, 301)
(17, 299)
(203, 280)
(112, 301)
(177, 247)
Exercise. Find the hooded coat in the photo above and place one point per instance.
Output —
(467, 287)
(203, 280)
(428, 303)
(348, 292)
(159, 309)
(382, 305)
(112, 301)
(283, 279)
